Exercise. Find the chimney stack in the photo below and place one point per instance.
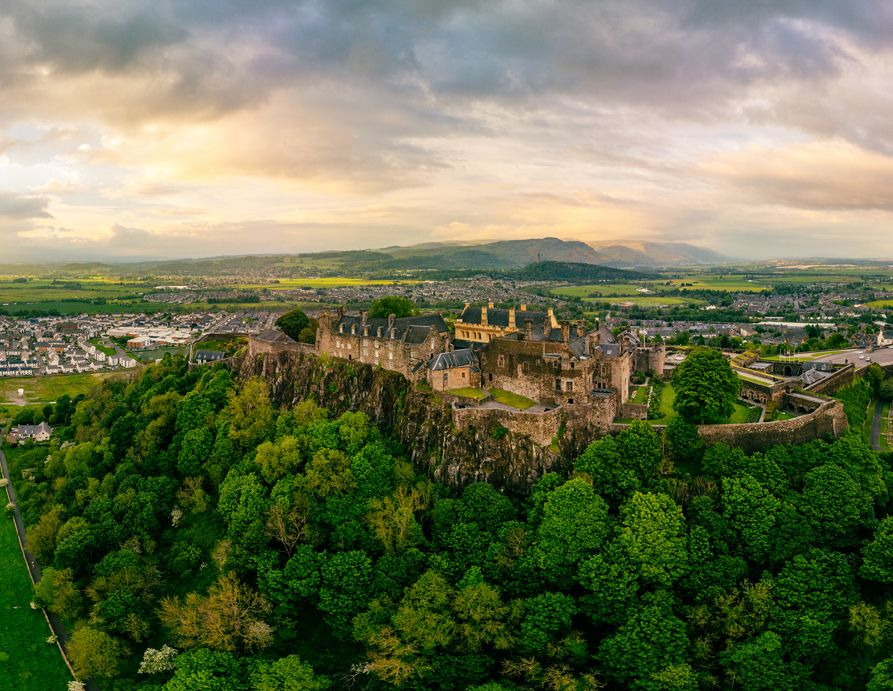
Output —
(565, 331)
(512, 318)
(547, 326)
(551, 314)
(523, 308)
(364, 315)
(581, 328)
(528, 329)
(484, 315)
(490, 304)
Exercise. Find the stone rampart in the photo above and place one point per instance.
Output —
(828, 420)
(831, 384)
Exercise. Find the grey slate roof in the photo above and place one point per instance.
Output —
(409, 329)
(451, 360)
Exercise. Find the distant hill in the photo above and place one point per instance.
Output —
(656, 254)
(576, 273)
(498, 256)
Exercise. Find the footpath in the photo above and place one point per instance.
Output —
(53, 620)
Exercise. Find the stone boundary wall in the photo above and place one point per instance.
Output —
(828, 420)
(831, 384)
(634, 411)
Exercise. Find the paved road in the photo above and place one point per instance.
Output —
(55, 622)
(882, 356)
(876, 426)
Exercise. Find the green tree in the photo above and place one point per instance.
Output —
(209, 670)
(652, 640)
(705, 386)
(298, 326)
(57, 592)
(575, 523)
(392, 304)
(751, 513)
(94, 653)
(877, 555)
(653, 535)
(287, 674)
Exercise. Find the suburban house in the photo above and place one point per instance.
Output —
(20, 433)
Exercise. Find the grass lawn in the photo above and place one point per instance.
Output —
(740, 414)
(101, 347)
(223, 345)
(511, 399)
(639, 395)
(27, 661)
(46, 389)
(468, 392)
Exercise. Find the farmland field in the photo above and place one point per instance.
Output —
(881, 304)
(325, 282)
(47, 389)
(607, 289)
(27, 661)
(723, 283)
(648, 300)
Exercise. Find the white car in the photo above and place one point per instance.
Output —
(861, 357)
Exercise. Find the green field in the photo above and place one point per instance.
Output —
(511, 399)
(880, 304)
(732, 284)
(45, 290)
(27, 661)
(648, 301)
(48, 389)
(606, 289)
(326, 282)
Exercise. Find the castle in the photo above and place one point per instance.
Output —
(528, 353)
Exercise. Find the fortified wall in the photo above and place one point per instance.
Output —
(510, 449)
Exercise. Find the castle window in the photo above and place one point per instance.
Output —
(525, 367)
(568, 386)
(572, 365)
(558, 385)
(501, 360)
(463, 374)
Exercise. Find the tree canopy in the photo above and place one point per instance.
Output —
(391, 304)
(198, 535)
(705, 387)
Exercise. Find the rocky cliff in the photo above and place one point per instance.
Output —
(482, 450)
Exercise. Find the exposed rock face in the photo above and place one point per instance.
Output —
(421, 420)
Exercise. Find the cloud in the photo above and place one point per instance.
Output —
(825, 175)
(22, 208)
(174, 128)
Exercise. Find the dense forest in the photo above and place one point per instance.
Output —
(197, 537)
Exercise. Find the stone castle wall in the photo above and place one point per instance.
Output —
(839, 379)
(828, 420)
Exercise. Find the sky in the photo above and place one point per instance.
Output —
(133, 129)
